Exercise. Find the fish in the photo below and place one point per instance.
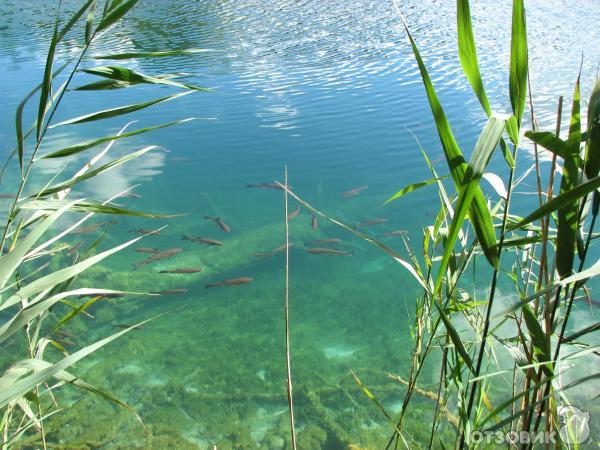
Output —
(182, 270)
(142, 231)
(89, 228)
(232, 282)
(147, 250)
(132, 195)
(313, 222)
(274, 251)
(395, 233)
(222, 225)
(124, 326)
(354, 192)
(371, 222)
(170, 291)
(158, 256)
(201, 240)
(323, 241)
(63, 342)
(180, 158)
(329, 251)
(7, 195)
(65, 334)
(113, 295)
(75, 247)
(273, 186)
(294, 213)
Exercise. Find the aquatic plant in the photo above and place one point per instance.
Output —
(542, 254)
(31, 283)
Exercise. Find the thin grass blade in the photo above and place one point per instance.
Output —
(480, 213)
(114, 112)
(518, 61)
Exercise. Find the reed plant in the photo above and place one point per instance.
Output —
(39, 264)
(544, 256)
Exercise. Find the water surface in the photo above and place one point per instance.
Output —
(330, 89)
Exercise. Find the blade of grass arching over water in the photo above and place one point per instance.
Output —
(24, 385)
(12, 260)
(84, 206)
(480, 213)
(412, 187)
(567, 215)
(47, 81)
(113, 112)
(92, 173)
(74, 149)
(37, 365)
(560, 201)
(467, 52)
(592, 145)
(517, 81)
(163, 54)
(54, 278)
(126, 75)
(19, 116)
(486, 143)
(108, 84)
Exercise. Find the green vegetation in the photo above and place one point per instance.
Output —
(461, 325)
(542, 254)
(32, 291)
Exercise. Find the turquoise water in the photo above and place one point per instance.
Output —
(329, 89)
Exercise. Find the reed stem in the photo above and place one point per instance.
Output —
(287, 309)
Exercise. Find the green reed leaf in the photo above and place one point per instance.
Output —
(114, 112)
(82, 206)
(412, 187)
(74, 149)
(560, 201)
(592, 145)
(500, 424)
(454, 336)
(549, 141)
(36, 308)
(136, 55)
(486, 143)
(541, 347)
(38, 364)
(567, 214)
(480, 213)
(467, 52)
(125, 75)
(24, 385)
(115, 13)
(92, 173)
(12, 260)
(106, 85)
(89, 24)
(46, 88)
(518, 61)
(55, 278)
(47, 81)
(577, 334)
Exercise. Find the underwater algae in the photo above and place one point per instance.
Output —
(210, 372)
